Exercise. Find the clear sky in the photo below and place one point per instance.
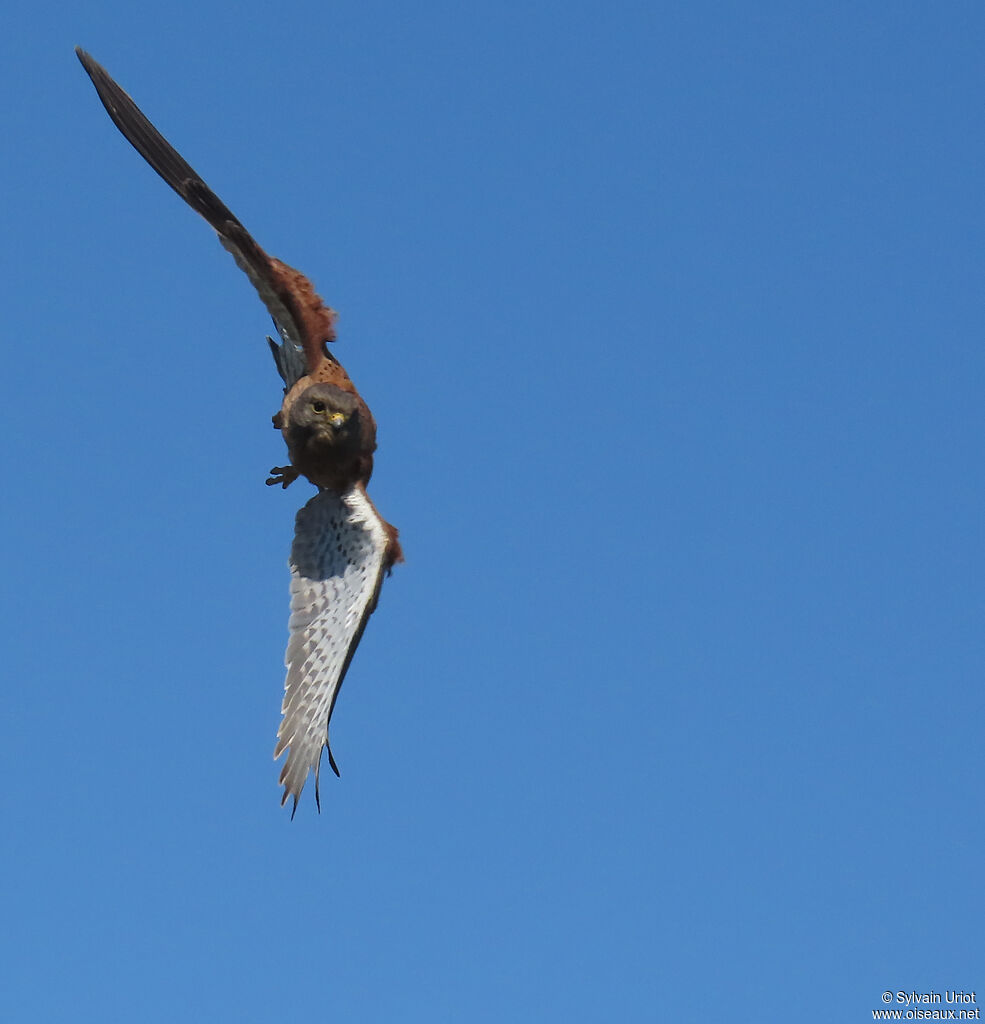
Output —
(671, 316)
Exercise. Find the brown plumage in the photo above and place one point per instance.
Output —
(342, 546)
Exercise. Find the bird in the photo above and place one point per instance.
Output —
(342, 547)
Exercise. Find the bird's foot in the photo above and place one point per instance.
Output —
(283, 475)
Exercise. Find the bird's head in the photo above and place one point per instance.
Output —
(326, 415)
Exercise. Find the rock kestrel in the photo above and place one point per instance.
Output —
(342, 546)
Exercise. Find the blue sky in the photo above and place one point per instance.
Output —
(671, 319)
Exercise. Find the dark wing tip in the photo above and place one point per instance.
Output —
(137, 129)
(288, 294)
(106, 87)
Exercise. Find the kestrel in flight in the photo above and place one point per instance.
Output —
(342, 546)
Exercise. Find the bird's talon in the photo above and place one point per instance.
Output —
(283, 475)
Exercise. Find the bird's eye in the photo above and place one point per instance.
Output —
(318, 406)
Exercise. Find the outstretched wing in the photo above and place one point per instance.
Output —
(340, 553)
(303, 321)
